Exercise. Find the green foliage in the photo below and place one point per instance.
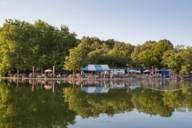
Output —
(151, 102)
(174, 99)
(117, 101)
(75, 60)
(150, 53)
(20, 107)
(172, 60)
(24, 45)
(109, 52)
(179, 61)
(88, 105)
(95, 55)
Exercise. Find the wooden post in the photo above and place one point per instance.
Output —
(33, 85)
(53, 72)
(33, 74)
(17, 76)
(17, 82)
(53, 86)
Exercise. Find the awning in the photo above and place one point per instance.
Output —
(96, 67)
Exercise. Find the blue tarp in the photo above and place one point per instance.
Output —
(164, 73)
(95, 89)
(95, 67)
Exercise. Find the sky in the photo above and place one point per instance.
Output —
(131, 21)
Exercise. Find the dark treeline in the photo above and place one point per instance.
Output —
(24, 45)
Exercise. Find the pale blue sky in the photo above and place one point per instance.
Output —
(133, 21)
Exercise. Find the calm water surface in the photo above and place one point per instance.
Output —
(94, 104)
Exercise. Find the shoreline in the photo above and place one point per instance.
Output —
(80, 78)
(87, 79)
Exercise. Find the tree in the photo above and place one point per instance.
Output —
(109, 52)
(120, 54)
(150, 53)
(15, 36)
(75, 60)
(87, 105)
(172, 60)
(179, 61)
(52, 44)
(24, 45)
(42, 109)
(95, 55)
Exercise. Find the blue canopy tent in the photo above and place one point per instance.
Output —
(97, 89)
(165, 73)
(95, 68)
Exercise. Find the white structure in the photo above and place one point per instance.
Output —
(117, 71)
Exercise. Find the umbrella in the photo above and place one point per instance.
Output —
(48, 70)
(146, 71)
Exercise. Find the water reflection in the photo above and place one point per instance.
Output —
(22, 108)
(57, 104)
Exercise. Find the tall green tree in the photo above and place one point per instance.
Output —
(75, 60)
(24, 45)
(150, 53)
(179, 61)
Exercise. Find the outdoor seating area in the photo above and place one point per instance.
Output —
(97, 71)
(101, 72)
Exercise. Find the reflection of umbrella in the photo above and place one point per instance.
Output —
(47, 87)
(48, 70)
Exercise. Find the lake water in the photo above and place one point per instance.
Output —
(96, 104)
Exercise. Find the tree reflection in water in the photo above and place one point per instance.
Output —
(23, 107)
(147, 100)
